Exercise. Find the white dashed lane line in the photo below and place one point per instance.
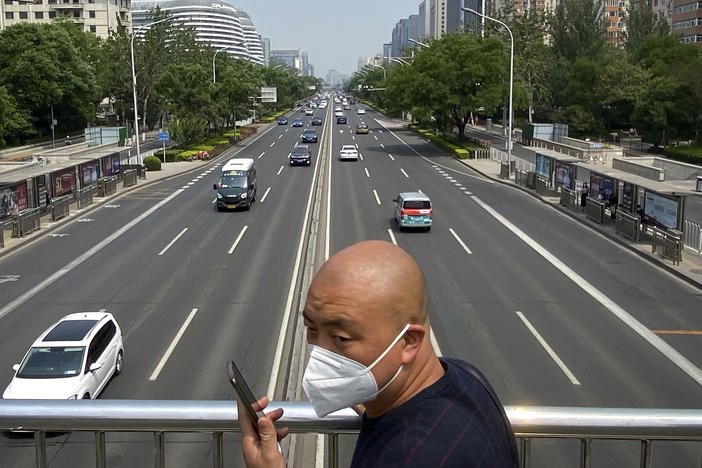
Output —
(263, 198)
(367, 173)
(238, 239)
(391, 156)
(261, 155)
(460, 241)
(280, 170)
(404, 173)
(392, 236)
(377, 198)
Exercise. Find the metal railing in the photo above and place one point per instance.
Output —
(26, 221)
(85, 197)
(569, 198)
(219, 417)
(521, 177)
(480, 154)
(106, 186)
(628, 225)
(595, 210)
(2, 233)
(60, 207)
(692, 235)
(519, 163)
(129, 178)
(668, 243)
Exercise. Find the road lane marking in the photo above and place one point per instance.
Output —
(392, 236)
(367, 173)
(261, 155)
(549, 350)
(458, 185)
(382, 146)
(265, 195)
(272, 144)
(171, 347)
(214, 200)
(677, 332)
(658, 343)
(376, 138)
(419, 190)
(13, 278)
(356, 145)
(172, 242)
(380, 131)
(465, 247)
(280, 136)
(184, 187)
(404, 173)
(360, 156)
(377, 199)
(280, 170)
(238, 239)
(391, 156)
(354, 137)
(467, 192)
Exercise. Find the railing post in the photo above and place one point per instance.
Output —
(525, 451)
(40, 448)
(159, 451)
(100, 459)
(645, 454)
(217, 460)
(585, 446)
(332, 449)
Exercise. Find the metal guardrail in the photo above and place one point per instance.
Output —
(129, 178)
(85, 197)
(627, 225)
(26, 221)
(106, 186)
(60, 207)
(569, 198)
(542, 187)
(692, 236)
(480, 154)
(218, 417)
(668, 243)
(521, 177)
(2, 234)
(595, 210)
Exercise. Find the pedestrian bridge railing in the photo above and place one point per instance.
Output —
(160, 417)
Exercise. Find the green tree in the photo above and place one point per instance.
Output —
(665, 111)
(577, 29)
(641, 22)
(14, 122)
(188, 131)
(188, 91)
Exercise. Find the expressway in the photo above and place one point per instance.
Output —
(553, 313)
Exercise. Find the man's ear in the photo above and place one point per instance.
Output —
(414, 336)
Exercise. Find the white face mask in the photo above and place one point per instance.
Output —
(333, 381)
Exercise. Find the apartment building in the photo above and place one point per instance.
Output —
(687, 21)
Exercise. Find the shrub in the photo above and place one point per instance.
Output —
(462, 153)
(691, 154)
(188, 131)
(152, 163)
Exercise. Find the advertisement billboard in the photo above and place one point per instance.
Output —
(90, 172)
(543, 165)
(564, 175)
(660, 211)
(269, 94)
(64, 181)
(13, 199)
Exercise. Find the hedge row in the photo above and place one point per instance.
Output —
(462, 151)
(690, 153)
(208, 150)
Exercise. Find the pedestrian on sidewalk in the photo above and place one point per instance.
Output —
(613, 205)
(583, 196)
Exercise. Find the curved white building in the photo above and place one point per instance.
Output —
(215, 22)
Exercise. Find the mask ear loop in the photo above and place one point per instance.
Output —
(387, 350)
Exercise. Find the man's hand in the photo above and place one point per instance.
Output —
(259, 442)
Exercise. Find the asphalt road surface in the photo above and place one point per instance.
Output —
(553, 313)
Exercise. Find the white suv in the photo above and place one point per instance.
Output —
(74, 359)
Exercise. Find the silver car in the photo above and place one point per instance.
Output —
(413, 210)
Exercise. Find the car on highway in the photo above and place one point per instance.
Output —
(413, 210)
(362, 128)
(298, 123)
(361, 111)
(338, 109)
(348, 152)
(341, 119)
(316, 120)
(309, 111)
(237, 184)
(347, 107)
(300, 155)
(283, 120)
(74, 358)
(309, 136)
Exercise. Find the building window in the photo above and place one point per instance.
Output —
(91, 14)
(92, 29)
(76, 14)
(23, 15)
(52, 14)
(8, 2)
(39, 15)
(9, 15)
(91, 1)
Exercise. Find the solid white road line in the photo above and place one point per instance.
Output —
(391, 156)
(404, 173)
(465, 247)
(367, 173)
(42, 285)
(172, 242)
(392, 236)
(236, 242)
(280, 170)
(549, 350)
(377, 199)
(171, 347)
(261, 155)
(263, 198)
(654, 340)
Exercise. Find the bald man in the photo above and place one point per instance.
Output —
(368, 331)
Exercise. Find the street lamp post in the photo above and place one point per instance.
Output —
(420, 43)
(385, 75)
(134, 86)
(511, 78)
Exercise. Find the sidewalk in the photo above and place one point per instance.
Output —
(167, 170)
(690, 269)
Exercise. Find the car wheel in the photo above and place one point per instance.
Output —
(119, 362)
(86, 396)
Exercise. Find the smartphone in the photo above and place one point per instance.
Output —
(244, 392)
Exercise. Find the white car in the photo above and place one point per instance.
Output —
(74, 359)
(309, 112)
(348, 152)
(361, 111)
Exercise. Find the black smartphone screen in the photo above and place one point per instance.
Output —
(243, 391)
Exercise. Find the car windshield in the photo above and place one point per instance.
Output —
(237, 181)
(52, 362)
(417, 204)
(299, 150)
(309, 132)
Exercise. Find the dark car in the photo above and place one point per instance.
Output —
(316, 121)
(300, 155)
(283, 120)
(341, 119)
(309, 136)
(297, 123)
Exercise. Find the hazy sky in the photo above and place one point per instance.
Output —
(334, 33)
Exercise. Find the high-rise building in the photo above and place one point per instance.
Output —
(266, 44)
(612, 15)
(100, 17)
(334, 78)
(664, 9)
(405, 29)
(387, 51)
(288, 57)
(422, 32)
(215, 22)
(445, 16)
(365, 61)
(687, 21)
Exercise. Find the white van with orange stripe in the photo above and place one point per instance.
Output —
(413, 210)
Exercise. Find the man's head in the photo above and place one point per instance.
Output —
(360, 300)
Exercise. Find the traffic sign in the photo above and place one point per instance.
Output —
(163, 136)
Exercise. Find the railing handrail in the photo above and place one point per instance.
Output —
(221, 416)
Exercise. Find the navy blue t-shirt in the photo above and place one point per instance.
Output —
(457, 421)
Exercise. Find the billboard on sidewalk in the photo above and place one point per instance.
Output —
(543, 165)
(269, 94)
(660, 211)
(13, 199)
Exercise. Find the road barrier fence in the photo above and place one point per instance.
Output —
(569, 198)
(521, 177)
(60, 207)
(668, 243)
(692, 236)
(129, 178)
(26, 221)
(106, 186)
(595, 210)
(219, 417)
(85, 197)
(627, 225)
